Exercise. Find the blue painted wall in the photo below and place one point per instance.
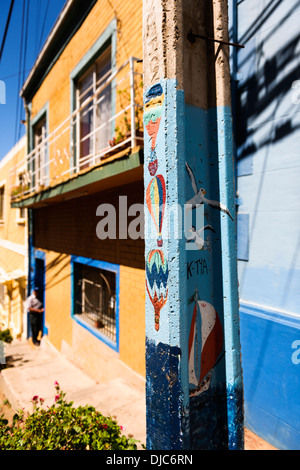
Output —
(266, 77)
(272, 379)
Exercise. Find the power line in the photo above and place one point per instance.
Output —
(20, 72)
(6, 27)
(43, 27)
(7, 77)
(24, 63)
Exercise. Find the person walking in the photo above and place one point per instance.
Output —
(35, 310)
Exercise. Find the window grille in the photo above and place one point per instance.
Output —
(95, 293)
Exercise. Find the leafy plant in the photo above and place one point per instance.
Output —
(5, 336)
(124, 100)
(119, 137)
(62, 427)
(20, 189)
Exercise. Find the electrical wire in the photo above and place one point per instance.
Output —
(22, 65)
(20, 68)
(6, 27)
(44, 24)
(37, 23)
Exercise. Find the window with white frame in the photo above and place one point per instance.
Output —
(2, 295)
(21, 214)
(39, 160)
(95, 298)
(93, 98)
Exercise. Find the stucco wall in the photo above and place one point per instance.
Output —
(69, 228)
(267, 138)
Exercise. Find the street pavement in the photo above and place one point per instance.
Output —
(33, 371)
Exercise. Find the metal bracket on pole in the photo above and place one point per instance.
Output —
(192, 38)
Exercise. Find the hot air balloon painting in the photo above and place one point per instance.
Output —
(153, 164)
(208, 349)
(156, 282)
(156, 199)
(152, 112)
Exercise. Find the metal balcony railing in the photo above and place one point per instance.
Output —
(99, 127)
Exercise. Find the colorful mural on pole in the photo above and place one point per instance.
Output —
(152, 117)
(156, 263)
(197, 236)
(156, 282)
(199, 197)
(206, 324)
(152, 112)
(156, 200)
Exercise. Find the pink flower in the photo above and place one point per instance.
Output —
(42, 400)
(35, 398)
(57, 397)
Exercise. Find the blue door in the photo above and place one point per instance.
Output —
(38, 280)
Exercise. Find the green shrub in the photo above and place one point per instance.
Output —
(5, 336)
(62, 427)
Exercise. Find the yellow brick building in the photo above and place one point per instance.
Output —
(13, 243)
(83, 100)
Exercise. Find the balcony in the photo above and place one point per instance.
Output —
(88, 138)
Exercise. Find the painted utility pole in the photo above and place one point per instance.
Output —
(194, 392)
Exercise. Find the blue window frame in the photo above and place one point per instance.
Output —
(95, 298)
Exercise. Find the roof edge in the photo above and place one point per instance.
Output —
(73, 10)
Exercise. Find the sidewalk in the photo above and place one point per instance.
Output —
(33, 370)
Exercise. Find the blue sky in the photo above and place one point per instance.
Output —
(42, 15)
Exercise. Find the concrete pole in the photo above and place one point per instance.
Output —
(167, 376)
(186, 348)
(234, 383)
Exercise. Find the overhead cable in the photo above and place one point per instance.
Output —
(6, 27)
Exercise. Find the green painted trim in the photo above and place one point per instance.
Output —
(109, 35)
(94, 51)
(97, 174)
(29, 105)
(44, 111)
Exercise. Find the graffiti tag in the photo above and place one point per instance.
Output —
(198, 267)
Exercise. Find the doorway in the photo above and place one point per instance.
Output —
(38, 280)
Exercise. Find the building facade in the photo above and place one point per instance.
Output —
(266, 80)
(13, 246)
(85, 160)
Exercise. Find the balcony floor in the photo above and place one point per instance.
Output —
(116, 171)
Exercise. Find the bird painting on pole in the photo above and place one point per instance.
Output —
(197, 236)
(199, 196)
